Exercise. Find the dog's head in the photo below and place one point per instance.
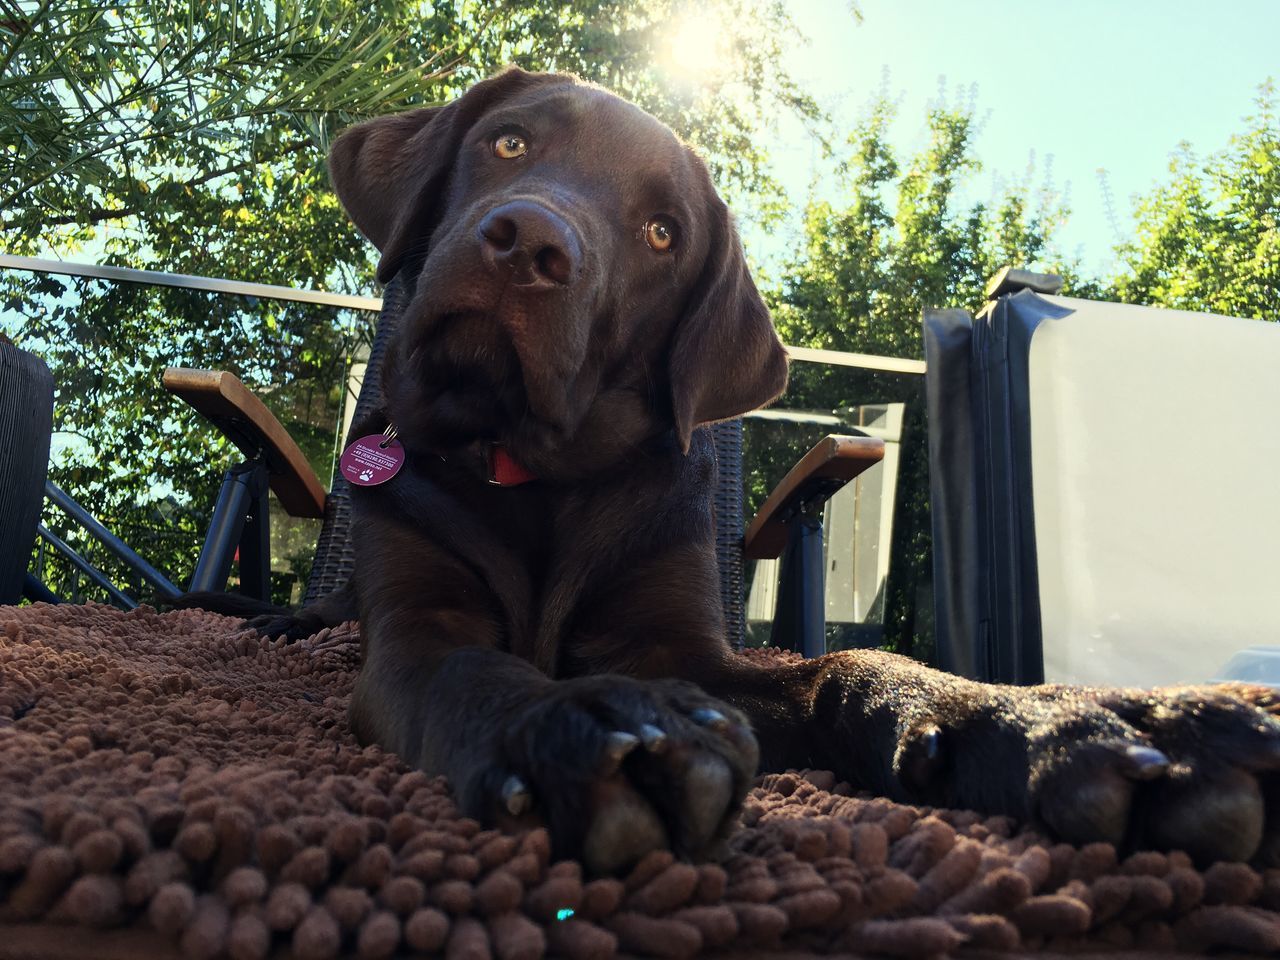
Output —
(582, 287)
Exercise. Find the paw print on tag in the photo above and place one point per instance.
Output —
(372, 460)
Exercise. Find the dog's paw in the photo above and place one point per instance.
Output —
(1189, 768)
(288, 625)
(1219, 797)
(616, 768)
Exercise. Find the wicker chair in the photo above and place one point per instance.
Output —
(786, 521)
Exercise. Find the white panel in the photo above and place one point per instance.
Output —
(355, 380)
(762, 598)
(840, 543)
(1155, 464)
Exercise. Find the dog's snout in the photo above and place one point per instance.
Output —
(536, 245)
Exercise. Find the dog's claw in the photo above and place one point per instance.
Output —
(707, 717)
(616, 746)
(918, 760)
(654, 740)
(516, 796)
(1148, 762)
(931, 741)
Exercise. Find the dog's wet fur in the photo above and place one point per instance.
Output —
(557, 648)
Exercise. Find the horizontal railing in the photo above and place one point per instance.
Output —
(865, 361)
(185, 281)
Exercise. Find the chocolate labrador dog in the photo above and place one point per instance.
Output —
(537, 584)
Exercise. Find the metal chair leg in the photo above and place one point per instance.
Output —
(239, 520)
(255, 545)
(800, 621)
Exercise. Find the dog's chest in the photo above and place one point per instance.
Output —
(544, 550)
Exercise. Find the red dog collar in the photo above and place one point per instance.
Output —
(505, 472)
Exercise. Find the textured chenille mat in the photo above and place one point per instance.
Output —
(171, 785)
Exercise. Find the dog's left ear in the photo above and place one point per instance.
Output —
(725, 358)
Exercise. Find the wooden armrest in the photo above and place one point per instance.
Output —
(832, 463)
(229, 406)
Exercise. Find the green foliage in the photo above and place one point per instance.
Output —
(137, 457)
(110, 111)
(906, 239)
(192, 140)
(1209, 239)
(144, 113)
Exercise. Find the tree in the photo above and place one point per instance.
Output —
(153, 137)
(1209, 239)
(132, 114)
(904, 239)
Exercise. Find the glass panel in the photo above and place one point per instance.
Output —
(145, 464)
(876, 537)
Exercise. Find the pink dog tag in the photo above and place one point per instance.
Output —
(371, 460)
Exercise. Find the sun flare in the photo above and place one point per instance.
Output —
(699, 48)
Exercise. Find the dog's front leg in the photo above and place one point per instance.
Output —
(1192, 768)
(613, 766)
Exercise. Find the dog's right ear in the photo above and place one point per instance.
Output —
(377, 168)
(390, 173)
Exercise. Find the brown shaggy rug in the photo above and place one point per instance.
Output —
(171, 785)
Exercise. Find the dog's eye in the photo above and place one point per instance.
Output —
(660, 234)
(510, 146)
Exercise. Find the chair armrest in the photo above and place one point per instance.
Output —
(229, 406)
(832, 463)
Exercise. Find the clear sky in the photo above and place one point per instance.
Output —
(1084, 85)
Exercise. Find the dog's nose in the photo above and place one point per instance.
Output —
(538, 247)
